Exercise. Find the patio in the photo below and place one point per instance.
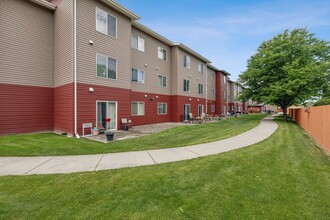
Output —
(138, 131)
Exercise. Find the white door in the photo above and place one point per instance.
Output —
(200, 110)
(186, 111)
(104, 111)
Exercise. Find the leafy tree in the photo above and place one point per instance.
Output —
(287, 70)
(325, 100)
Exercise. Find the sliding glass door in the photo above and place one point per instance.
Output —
(105, 111)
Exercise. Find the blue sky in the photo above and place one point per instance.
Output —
(229, 32)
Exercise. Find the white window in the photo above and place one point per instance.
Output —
(137, 108)
(212, 76)
(161, 81)
(224, 94)
(137, 75)
(162, 108)
(200, 88)
(224, 79)
(137, 43)
(186, 61)
(200, 68)
(106, 67)
(212, 108)
(212, 92)
(106, 23)
(186, 85)
(162, 53)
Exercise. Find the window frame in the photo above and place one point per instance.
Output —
(186, 84)
(212, 92)
(212, 108)
(200, 89)
(224, 80)
(162, 49)
(212, 76)
(185, 63)
(107, 66)
(138, 76)
(138, 38)
(138, 113)
(163, 104)
(115, 37)
(162, 82)
(200, 70)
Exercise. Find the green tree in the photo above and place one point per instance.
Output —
(325, 100)
(287, 70)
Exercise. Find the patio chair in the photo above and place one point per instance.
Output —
(126, 124)
(191, 118)
(100, 128)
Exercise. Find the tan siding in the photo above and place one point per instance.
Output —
(174, 70)
(154, 66)
(63, 43)
(119, 49)
(185, 73)
(26, 44)
(211, 84)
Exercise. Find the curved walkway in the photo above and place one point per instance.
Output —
(83, 163)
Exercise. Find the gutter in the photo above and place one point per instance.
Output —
(44, 4)
(75, 66)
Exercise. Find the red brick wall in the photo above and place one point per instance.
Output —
(63, 109)
(25, 109)
(151, 108)
(177, 106)
(218, 94)
(86, 103)
(209, 108)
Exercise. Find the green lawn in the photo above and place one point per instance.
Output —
(284, 177)
(53, 144)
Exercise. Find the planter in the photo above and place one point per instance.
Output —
(109, 135)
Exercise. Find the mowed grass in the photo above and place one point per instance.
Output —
(284, 177)
(44, 144)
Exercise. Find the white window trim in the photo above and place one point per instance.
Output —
(202, 70)
(186, 86)
(202, 109)
(202, 89)
(144, 44)
(188, 67)
(162, 81)
(115, 37)
(212, 92)
(144, 75)
(97, 101)
(107, 66)
(138, 102)
(212, 108)
(212, 76)
(165, 108)
(158, 53)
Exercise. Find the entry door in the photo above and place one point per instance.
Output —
(106, 110)
(200, 110)
(186, 111)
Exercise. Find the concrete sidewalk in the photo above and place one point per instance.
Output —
(83, 163)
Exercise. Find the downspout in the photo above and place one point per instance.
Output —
(75, 66)
(206, 88)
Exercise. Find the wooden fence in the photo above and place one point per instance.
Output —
(316, 121)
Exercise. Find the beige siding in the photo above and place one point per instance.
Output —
(190, 74)
(174, 70)
(211, 84)
(26, 44)
(63, 43)
(154, 66)
(119, 49)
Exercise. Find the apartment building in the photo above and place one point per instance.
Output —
(64, 63)
(234, 105)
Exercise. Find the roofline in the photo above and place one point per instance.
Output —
(225, 72)
(45, 4)
(140, 26)
(184, 47)
(121, 9)
(231, 81)
(213, 67)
